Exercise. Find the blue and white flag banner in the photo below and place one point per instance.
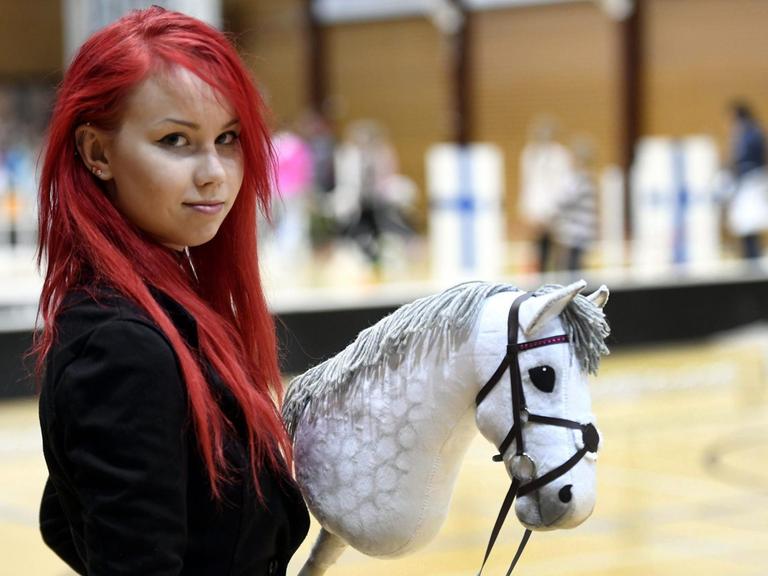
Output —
(465, 190)
(674, 211)
(83, 17)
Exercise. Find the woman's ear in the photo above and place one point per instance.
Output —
(91, 145)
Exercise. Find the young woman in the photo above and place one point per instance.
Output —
(158, 365)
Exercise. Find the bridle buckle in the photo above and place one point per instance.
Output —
(523, 467)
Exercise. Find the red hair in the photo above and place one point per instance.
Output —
(86, 240)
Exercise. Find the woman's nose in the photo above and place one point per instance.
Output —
(209, 170)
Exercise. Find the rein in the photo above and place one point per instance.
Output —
(523, 466)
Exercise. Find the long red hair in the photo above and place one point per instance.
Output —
(83, 238)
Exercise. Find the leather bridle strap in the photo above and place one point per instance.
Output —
(590, 437)
(520, 548)
(502, 516)
(505, 506)
(493, 380)
(552, 474)
(510, 356)
(521, 415)
(516, 432)
(510, 361)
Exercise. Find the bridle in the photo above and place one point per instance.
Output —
(524, 467)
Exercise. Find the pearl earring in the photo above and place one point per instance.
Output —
(97, 171)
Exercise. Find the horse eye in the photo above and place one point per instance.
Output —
(543, 377)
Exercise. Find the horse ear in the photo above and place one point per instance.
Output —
(536, 312)
(600, 296)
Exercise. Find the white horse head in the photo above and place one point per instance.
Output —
(555, 354)
(380, 430)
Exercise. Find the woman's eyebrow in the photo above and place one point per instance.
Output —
(194, 125)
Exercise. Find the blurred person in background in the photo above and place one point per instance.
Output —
(284, 239)
(545, 169)
(159, 375)
(317, 133)
(575, 222)
(747, 214)
(371, 198)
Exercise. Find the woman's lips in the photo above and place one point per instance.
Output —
(206, 208)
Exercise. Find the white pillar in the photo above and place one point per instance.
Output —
(612, 217)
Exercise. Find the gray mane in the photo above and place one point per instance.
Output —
(437, 320)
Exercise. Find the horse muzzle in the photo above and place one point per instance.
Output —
(560, 496)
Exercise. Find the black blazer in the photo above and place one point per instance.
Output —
(127, 491)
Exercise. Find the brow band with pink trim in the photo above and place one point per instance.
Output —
(522, 346)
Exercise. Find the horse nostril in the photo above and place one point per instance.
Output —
(565, 494)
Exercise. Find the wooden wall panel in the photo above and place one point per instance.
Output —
(699, 55)
(31, 38)
(270, 36)
(395, 72)
(560, 60)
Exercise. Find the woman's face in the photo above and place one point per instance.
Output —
(175, 161)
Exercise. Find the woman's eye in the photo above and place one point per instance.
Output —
(228, 138)
(174, 140)
(543, 377)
